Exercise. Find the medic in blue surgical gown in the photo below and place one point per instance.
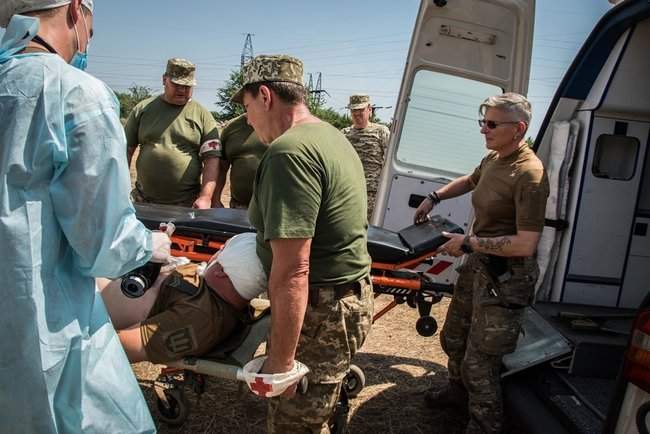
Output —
(65, 217)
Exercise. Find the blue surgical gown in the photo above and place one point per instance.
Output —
(65, 218)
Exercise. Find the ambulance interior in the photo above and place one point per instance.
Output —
(595, 251)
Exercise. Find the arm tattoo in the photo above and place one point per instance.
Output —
(494, 244)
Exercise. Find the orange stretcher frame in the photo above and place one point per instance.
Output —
(201, 250)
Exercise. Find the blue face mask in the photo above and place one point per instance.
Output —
(80, 60)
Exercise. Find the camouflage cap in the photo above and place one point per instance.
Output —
(181, 71)
(270, 68)
(358, 102)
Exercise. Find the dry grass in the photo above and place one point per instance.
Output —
(399, 366)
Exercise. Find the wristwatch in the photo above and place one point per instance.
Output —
(466, 247)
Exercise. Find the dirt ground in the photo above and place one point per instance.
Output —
(399, 365)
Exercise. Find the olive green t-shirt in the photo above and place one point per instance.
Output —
(241, 147)
(310, 184)
(509, 194)
(173, 142)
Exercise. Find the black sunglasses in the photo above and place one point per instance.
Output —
(493, 124)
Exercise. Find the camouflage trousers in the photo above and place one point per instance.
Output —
(372, 195)
(482, 325)
(333, 331)
(138, 197)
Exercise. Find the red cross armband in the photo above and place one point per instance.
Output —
(269, 385)
(210, 146)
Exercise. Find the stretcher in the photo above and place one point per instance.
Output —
(398, 259)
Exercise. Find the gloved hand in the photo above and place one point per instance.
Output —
(161, 247)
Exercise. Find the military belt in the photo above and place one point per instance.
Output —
(339, 291)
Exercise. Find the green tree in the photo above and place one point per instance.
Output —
(131, 98)
(328, 114)
(228, 109)
(331, 116)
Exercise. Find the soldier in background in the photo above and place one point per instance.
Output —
(241, 151)
(370, 141)
(179, 143)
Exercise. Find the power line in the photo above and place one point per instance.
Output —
(247, 51)
(318, 91)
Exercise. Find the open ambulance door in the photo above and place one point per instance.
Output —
(461, 52)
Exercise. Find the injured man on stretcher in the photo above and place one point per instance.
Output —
(183, 313)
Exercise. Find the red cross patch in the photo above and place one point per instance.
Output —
(260, 387)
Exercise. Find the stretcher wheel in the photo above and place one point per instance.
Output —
(410, 300)
(426, 326)
(177, 410)
(355, 381)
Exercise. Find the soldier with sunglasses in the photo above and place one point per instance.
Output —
(497, 279)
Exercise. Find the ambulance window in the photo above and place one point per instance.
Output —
(440, 127)
(615, 157)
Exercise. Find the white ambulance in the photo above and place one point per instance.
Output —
(583, 361)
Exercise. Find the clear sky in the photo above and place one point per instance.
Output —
(357, 46)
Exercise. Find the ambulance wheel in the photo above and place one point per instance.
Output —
(175, 414)
(426, 326)
(355, 381)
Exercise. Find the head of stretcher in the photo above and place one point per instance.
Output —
(219, 224)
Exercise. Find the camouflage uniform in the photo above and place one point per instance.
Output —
(332, 333)
(370, 143)
(482, 325)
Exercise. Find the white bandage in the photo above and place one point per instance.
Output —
(269, 385)
(240, 262)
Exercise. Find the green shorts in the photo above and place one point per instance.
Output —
(182, 325)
